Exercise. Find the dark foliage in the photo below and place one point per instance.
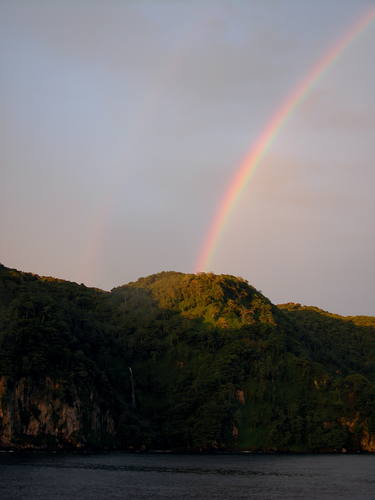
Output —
(198, 362)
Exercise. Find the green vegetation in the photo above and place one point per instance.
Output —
(183, 361)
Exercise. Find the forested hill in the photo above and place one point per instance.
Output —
(343, 344)
(179, 361)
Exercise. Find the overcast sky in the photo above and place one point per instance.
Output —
(122, 123)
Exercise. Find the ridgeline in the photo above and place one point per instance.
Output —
(180, 362)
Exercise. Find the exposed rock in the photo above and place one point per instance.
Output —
(240, 396)
(368, 441)
(40, 416)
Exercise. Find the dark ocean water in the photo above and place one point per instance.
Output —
(139, 476)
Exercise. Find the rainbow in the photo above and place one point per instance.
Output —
(261, 147)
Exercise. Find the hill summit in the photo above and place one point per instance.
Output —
(179, 361)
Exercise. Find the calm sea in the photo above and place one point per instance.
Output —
(137, 476)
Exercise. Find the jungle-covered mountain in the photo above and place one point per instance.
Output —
(183, 362)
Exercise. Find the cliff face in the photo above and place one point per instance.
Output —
(368, 441)
(39, 415)
(360, 427)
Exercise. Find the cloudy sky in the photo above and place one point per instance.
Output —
(123, 122)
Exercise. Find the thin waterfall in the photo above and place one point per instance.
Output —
(132, 386)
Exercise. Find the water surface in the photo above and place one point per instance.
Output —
(167, 476)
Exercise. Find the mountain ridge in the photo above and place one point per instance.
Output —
(179, 361)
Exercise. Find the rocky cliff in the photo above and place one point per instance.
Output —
(41, 415)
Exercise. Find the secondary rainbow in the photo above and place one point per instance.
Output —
(260, 148)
